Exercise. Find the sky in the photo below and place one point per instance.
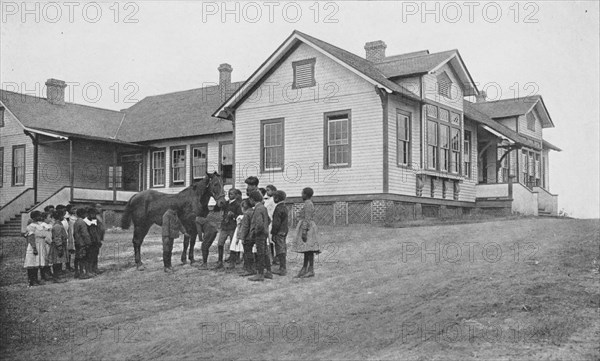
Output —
(113, 54)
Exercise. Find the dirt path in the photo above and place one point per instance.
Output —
(518, 289)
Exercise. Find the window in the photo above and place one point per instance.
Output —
(226, 161)
(199, 162)
(337, 139)
(524, 166)
(18, 165)
(1, 117)
(455, 150)
(304, 73)
(178, 166)
(531, 121)
(115, 173)
(444, 84)
(467, 157)
(432, 142)
(272, 148)
(444, 131)
(503, 171)
(1, 166)
(403, 137)
(158, 168)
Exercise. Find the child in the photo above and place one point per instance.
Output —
(228, 225)
(251, 185)
(37, 238)
(237, 245)
(96, 232)
(58, 250)
(306, 240)
(71, 218)
(47, 224)
(81, 239)
(270, 205)
(259, 231)
(279, 230)
(171, 226)
(247, 241)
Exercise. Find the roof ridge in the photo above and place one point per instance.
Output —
(508, 99)
(66, 103)
(187, 90)
(414, 55)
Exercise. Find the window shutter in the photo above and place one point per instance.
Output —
(304, 75)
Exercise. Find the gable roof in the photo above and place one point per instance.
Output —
(471, 112)
(175, 115)
(423, 62)
(38, 113)
(505, 108)
(352, 62)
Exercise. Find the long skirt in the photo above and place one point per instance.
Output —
(239, 247)
(41, 260)
(312, 239)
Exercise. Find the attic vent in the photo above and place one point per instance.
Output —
(304, 73)
(444, 85)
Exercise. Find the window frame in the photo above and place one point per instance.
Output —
(13, 173)
(173, 149)
(152, 168)
(2, 117)
(1, 167)
(109, 178)
(467, 164)
(326, 116)
(220, 163)
(445, 91)
(451, 125)
(192, 147)
(263, 149)
(408, 141)
(295, 64)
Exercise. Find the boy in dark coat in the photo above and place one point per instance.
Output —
(279, 231)
(259, 231)
(247, 241)
(231, 211)
(96, 232)
(171, 226)
(251, 185)
(82, 240)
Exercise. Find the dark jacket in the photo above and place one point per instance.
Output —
(280, 220)
(230, 213)
(81, 236)
(244, 232)
(259, 227)
(171, 226)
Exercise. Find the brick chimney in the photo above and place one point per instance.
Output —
(480, 98)
(224, 80)
(375, 51)
(55, 91)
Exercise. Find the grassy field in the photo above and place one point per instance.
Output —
(518, 289)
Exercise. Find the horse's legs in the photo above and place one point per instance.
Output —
(192, 245)
(186, 243)
(139, 232)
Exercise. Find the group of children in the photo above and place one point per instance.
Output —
(59, 234)
(257, 228)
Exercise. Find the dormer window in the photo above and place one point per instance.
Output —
(531, 121)
(444, 84)
(304, 73)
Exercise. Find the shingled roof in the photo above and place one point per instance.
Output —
(505, 108)
(412, 63)
(175, 115)
(38, 113)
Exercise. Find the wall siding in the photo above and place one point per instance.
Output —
(412, 84)
(303, 112)
(537, 133)
(11, 134)
(430, 89)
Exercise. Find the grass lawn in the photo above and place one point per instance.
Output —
(517, 289)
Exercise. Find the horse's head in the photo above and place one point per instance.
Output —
(216, 190)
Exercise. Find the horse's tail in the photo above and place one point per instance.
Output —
(126, 218)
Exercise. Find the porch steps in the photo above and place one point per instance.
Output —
(544, 213)
(12, 228)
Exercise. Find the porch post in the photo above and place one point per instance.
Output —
(71, 170)
(510, 185)
(114, 174)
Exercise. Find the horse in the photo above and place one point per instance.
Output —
(147, 207)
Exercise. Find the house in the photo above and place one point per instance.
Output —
(384, 138)
(56, 152)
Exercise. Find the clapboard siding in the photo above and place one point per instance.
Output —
(11, 134)
(403, 178)
(412, 84)
(90, 165)
(430, 89)
(467, 187)
(212, 142)
(537, 133)
(510, 123)
(337, 89)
